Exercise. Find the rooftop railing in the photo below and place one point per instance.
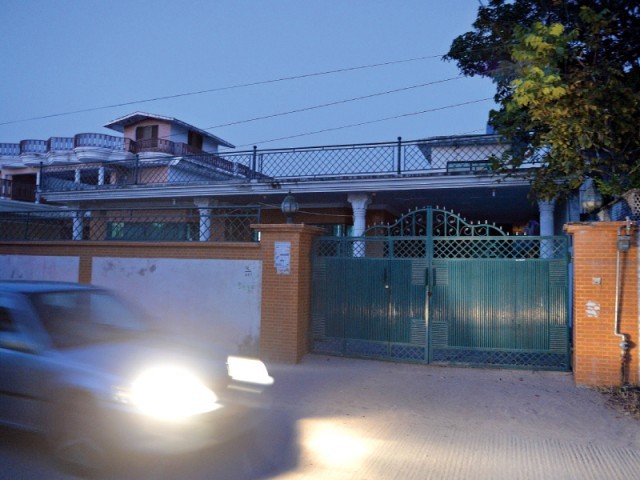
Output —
(215, 224)
(96, 140)
(33, 146)
(436, 156)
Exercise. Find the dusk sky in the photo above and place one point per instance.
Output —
(66, 56)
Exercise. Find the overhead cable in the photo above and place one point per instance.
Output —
(367, 122)
(337, 102)
(220, 89)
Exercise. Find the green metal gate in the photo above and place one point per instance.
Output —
(434, 288)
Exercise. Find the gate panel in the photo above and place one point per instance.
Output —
(438, 289)
(500, 313)
(372, 307)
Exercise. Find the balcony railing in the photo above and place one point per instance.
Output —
(97, 140)
(100, 140)
(215, 224)
(33, 146)
(469, 155)
(9, 149)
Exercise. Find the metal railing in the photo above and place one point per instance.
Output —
(211, 224)
(462, 247)
(436, 156)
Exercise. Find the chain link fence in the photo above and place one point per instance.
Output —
(215, 224)
(437, 156)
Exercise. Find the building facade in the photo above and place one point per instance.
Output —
(157, 162)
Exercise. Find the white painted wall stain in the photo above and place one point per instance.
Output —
(212, 300)
(592, 309)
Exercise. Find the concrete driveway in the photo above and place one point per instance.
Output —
(363, 419)
(338, 418)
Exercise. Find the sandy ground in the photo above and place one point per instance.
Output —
(348, 419)
(368, 419)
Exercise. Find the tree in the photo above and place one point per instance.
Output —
(567, 77)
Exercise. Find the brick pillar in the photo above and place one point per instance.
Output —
(597, 353)
(286, 290)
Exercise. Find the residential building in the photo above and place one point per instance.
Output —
(157, 161)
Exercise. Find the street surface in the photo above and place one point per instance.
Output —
(337, 418)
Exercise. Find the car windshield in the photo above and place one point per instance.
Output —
(74, 318)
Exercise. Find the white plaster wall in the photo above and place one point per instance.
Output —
(39, 267)
(212, 300)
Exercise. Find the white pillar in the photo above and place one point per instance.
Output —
(77, 224)
(546, 217)
(547, 228)
(101, 176)
(38, 179)
(76, 178)
(204, 209)
(359, 203)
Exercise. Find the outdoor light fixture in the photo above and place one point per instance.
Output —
(289, 207)
(591, 199)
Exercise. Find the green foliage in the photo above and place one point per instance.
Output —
(567, 77)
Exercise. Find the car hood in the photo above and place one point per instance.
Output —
(125, 359)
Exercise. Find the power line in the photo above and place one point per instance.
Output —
(220, 89)
(367, 122)
(337, 102)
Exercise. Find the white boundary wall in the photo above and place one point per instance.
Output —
(209, 299)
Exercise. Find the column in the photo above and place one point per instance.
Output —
(77, 224)
(38, 182)
(204, 209)
(359, 203)
(101, 176)
(286, 292)
(547, 229)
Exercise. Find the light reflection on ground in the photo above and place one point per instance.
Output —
(325, 441)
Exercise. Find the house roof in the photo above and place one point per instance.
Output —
(119, 125)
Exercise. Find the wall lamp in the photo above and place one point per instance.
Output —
(289, 207)
(591, 201)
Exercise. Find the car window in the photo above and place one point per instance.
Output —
(6, 321)
(77, 317)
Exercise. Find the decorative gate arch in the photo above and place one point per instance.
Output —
(435, 288)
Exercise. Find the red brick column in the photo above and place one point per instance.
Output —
(597, 353)
(286, 291)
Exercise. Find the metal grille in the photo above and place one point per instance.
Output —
(219, 224)
(437, 222)
(501, 358)
(500, 248)
(626, 206)
(508, 247)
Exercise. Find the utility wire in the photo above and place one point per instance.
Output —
(367, 122)
(337, 102)
(220, 89)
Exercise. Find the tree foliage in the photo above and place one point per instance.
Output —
(567, 77)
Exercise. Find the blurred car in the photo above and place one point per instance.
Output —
(81, 366)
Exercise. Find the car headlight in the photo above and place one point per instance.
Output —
(248, 370)
(169, 393)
